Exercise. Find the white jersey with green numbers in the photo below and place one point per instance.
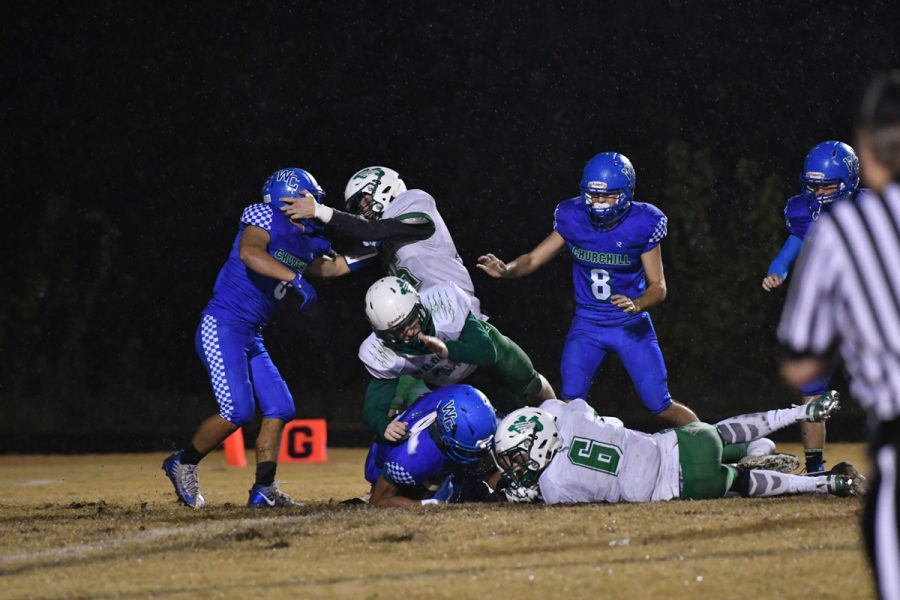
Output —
(449, 306)
(431, 261)
(601, 460)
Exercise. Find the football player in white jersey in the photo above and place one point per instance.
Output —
(412, 238)
(566, 453)
(406, 230)
(439, 337)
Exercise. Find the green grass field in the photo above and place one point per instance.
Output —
(107, 526)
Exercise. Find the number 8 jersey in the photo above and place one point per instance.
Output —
(608, 262)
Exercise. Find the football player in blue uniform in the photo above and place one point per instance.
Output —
(618, 274)
(830, 174)
(270, 256)
(449, 431)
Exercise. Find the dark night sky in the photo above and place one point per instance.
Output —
(168, 120)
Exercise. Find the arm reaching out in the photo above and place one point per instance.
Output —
(401, 229)
(656, 285)
(782, 263)
(525, 264)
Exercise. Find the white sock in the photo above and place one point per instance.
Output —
(746, 428)
(772, 483)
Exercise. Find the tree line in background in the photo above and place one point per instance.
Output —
(98, 330)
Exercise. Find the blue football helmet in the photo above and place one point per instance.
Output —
(605, 174)
(466, 422)
(288, 183)
(829, 163)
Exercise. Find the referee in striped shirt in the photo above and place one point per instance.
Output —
(845, 299)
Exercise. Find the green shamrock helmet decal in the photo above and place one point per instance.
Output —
(523, 424)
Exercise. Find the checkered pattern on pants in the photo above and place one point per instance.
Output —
(398, 474)
(213, 352)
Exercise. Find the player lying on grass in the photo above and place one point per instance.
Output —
(450, 432)
(566, 453)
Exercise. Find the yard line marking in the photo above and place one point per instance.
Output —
(206, 528)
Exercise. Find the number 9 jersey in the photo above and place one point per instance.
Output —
(606, 262)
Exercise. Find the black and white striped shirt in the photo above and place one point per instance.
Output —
(846, 296)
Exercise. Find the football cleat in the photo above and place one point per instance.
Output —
(845, 480)
(270, 496)
(821, 408)
(360, 500)
(782, 463)
(185, 479)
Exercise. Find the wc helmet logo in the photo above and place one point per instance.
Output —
(448, 417)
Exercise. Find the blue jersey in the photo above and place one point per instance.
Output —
(799, 214)
(418, 459)
(241, 294)
(608, 262)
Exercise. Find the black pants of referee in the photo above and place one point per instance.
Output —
(880, 523)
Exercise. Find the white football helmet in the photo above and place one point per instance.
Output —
(382, 183)
(524, 444)
(391, 305)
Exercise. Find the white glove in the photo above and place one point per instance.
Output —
(522, 494)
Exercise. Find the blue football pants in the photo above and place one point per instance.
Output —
(240, 368)
(635, 344)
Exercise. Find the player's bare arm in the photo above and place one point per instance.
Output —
(656, 285)
(385, 494)
(328, 268)
(254, 252)
(527, 263)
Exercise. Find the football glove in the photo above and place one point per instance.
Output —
(521, 494)
(305, 289)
